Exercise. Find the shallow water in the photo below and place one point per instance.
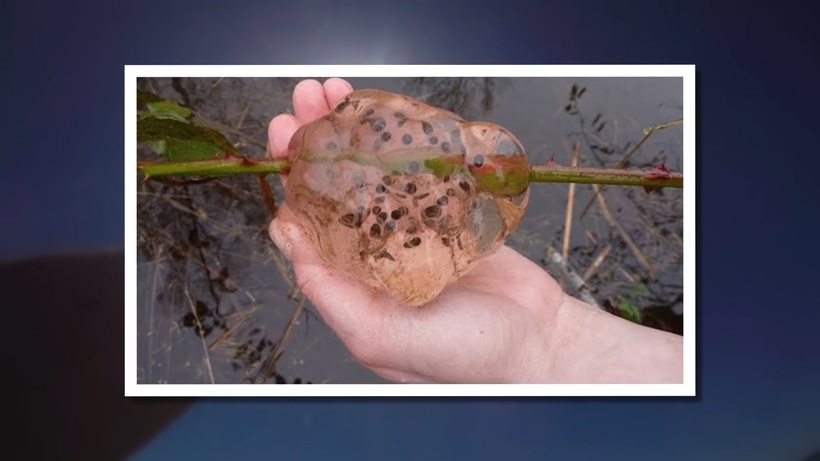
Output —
(204, 252)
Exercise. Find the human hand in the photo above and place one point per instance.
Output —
(505, 321)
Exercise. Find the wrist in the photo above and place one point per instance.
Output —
(582, 344)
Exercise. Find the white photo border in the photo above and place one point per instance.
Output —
(133, 389)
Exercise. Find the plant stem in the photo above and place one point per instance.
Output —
(219, 167)
(544, 173)
(615, 176)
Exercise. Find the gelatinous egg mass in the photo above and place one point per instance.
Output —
(405, 196)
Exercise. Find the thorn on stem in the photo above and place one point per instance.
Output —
(660, 172)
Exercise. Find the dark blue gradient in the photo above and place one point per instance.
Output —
(757, 196)
(715, 429)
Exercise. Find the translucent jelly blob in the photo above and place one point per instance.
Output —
(405, 196)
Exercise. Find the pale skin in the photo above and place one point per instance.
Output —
(506, 321)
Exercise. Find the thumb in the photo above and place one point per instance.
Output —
(314, 277)
(280, 233)
(292, 239)
(341, 300)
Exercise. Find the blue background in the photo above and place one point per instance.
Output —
(758, 198)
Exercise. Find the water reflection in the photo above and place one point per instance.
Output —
(460, 94)
(216, 299)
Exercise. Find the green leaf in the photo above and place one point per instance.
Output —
(181, 141)
(159, 146)
(628, 310)
(166, 127)
(169, 110)
(639, 291)
(144, 98)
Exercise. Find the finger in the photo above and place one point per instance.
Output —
(280, 130)
(283, 126)
(309, 101)
(335, 90)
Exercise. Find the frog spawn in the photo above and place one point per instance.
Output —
(402, 195)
